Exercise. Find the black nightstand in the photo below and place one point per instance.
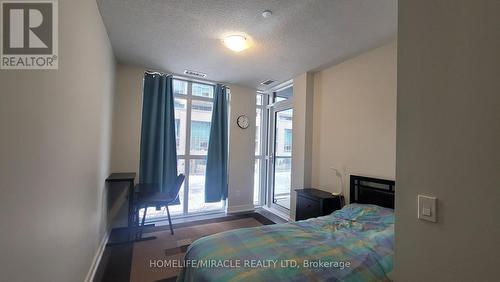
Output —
(313, 203)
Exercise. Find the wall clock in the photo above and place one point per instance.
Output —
(243, 122)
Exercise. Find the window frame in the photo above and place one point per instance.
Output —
(273, 108)
(262, 155)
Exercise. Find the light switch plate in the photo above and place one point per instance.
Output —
(427, 208)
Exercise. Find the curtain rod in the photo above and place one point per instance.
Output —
(157, 72)
(182, 77)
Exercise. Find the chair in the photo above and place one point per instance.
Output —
(146, 198)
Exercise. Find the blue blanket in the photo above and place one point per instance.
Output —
(352, 244)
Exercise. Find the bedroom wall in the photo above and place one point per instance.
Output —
(241, 150)
(354, 119)
(55, 148)
(448, 136)
(303, 94)
(127, 118)
(126, 138)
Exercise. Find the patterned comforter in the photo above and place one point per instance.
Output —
(355, 243)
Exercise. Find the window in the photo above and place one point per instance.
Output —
(259, 99)
(203, 90)
(193, 103)
(193, 116)
(180, 106)
(200, 133)
(258, 131)
(177, 131)
(287, 144)
(283, 94)
(201, 117)
(201, 107)
(180, 87)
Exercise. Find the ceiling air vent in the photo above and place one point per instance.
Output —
(267, 82)
(195, 73)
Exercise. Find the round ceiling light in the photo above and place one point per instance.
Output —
(267, 13)
(236, 43)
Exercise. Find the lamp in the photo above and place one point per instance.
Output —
(339, 175)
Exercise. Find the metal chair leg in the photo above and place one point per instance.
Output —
(136, 216)
(170, 222)
(143, 220)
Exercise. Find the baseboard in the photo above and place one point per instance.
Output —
(240, 208)
(97, 258)
(279, 213)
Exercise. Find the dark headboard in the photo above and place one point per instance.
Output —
(367, 190)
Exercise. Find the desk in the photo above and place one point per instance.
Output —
(131, 230)
(126, 177)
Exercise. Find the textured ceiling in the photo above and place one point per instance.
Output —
(300, 36)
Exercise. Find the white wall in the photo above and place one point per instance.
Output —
(355, 119)
(54, 148)
(448, 132)
(127, 119)
(303, 91)
(241, 150)
(126, 138)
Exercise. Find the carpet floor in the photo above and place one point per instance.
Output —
(136, 261)
(173, 247)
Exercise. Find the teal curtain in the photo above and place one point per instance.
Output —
(158, 153)
(216, 170)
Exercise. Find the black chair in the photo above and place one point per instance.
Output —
(146, 198)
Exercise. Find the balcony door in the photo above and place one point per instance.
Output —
(280, 149)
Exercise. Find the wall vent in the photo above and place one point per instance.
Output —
(267, 82)
(195, 73)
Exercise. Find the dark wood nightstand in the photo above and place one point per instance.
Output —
(313, 203)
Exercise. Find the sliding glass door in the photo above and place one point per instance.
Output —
(280, 149)
(282, 159)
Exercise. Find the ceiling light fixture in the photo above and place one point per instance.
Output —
(267, 13)
(237, 43)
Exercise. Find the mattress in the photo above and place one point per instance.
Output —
(355, 243)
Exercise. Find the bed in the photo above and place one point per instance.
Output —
(355, 243)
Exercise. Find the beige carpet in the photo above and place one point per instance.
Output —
(173, 247)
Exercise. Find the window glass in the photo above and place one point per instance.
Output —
(258, 131)
(178, 209)
(197, 168)
(259, 99)
(200, 133)
(287, 144)
(180, 87)
(283, 95)
(180, 106)
(203, 90)
(201, 115)
(193, 103)
(284, 133)
(256, 182)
